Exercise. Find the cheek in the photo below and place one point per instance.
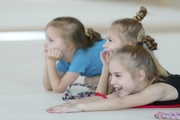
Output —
(131, 86)
(54, 46)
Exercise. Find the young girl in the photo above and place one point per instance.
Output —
(138, 79)
(70, 51)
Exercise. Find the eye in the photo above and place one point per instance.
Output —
(48, 39)
(109, 40)
(117, 75)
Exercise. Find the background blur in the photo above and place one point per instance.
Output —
(162, 21)
(22, 23)
(35, 14)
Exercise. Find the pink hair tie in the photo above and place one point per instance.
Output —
(100, 94)
(170, 116)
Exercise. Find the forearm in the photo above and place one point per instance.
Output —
(103, 82)
(46, 81)
(84, 100)
(53, 76)
(101, 105)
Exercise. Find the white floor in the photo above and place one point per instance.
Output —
(22, 96)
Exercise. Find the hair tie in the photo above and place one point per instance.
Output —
(139, 43)
(86, 33)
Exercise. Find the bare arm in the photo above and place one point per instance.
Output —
(103, 82)
(156, 92)
(59, 84)
(89, 99)
(46, 82)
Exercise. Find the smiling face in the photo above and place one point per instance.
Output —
(53, 40)
(122, 80)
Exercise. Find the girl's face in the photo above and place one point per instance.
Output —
(113, 40)
(121, 79)
(53, 40)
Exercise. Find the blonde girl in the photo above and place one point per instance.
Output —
(70, 51)
(127, 31)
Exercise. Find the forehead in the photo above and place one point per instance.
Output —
(52, 31)
(115, 66)
(116, 33)
(113, 30)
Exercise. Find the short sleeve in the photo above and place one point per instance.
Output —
(79, 64)
(62, 66)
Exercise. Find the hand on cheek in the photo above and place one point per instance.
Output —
(54, 55)
(105, 57)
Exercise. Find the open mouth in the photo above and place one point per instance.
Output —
(118, 89)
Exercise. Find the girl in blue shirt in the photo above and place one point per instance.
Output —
(70, 51)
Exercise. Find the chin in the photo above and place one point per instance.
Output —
(123, 94)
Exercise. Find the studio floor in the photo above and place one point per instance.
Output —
(22, 96)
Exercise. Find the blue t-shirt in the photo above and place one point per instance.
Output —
(87, 62)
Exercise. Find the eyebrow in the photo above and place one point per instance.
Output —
(109, 37)
(48, 37)
(116, 73)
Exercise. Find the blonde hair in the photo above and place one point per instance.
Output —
(136, 57)
(131, 28)
(72, 30)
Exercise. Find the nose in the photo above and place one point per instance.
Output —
(45, 44)
(113, 82)
(105, 45)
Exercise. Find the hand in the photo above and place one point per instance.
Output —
(104, 57)
(54, 55)
(65, 108)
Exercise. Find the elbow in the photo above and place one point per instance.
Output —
(58, 90)
(47, 88)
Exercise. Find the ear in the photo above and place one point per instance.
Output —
(141, 75)
(129, 42)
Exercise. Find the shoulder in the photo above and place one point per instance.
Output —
(162, 91)
(174, 80)
(80, 56)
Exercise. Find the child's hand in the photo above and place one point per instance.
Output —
(105, 57)
(54, 55)
(64, 108)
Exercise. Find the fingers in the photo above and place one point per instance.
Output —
(63, 109)
(104, 53)
(54, 54)
(105, 57)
